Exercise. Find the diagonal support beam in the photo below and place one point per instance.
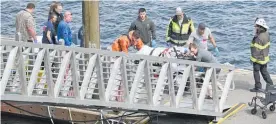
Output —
(34, 75)
(87, 76)
(226, 89)
(160, 84)
(60, 78)
(137, 80)
(186, 74)
(204, 88)
(7, 71)
(111, 80)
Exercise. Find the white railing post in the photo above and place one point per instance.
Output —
(22, 72)
(75, 76)
(111, 80)
(148, 83)
(87, 76)
(171, 85)
(215, 90)
(124, 80)
(8, 68)
(48, 73)
(100, 78)
(204, 88)
(186, 74)
(226, 89)
(60, 78)
(193, 87)
(136, 81)
(160, 84)
(36, 68)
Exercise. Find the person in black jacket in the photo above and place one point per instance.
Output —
(56, 8)
(80, 36)
(259, 53)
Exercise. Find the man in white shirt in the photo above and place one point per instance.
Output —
(200, 37)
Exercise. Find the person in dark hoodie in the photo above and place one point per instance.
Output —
(49, 32)
(260, 53)
(179, 29)
(145, 27)
(56, 8)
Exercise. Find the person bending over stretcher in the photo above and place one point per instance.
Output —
(122, 43)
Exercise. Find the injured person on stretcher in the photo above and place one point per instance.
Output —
(191, 53)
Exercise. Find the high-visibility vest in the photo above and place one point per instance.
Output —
(179, 34)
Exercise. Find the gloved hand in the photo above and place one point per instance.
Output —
(153, 44)
(169, 44)
(185, 50)
(217, 51)
(35, 41)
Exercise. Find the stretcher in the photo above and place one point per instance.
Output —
(268, 98)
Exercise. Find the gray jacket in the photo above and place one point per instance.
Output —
(146, 30)
(205, 56)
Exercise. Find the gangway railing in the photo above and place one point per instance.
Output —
(46, 74)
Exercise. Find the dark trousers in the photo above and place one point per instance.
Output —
(263, 69)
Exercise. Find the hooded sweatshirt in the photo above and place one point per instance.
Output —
(146, 30)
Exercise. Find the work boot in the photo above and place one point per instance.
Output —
(256, 89)
(267, 87)
(258, 86)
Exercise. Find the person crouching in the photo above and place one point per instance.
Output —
(122, 43)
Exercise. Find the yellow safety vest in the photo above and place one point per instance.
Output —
(179, 34)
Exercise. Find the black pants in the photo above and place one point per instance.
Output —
(263, 69)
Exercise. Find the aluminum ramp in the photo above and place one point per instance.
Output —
(54, 74)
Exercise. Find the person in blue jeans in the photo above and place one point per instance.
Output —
(49, 32)
(64, 32)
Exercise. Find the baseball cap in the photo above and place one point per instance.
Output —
(178, 11)
(201, 26)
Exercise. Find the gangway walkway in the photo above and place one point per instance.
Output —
(54, 74)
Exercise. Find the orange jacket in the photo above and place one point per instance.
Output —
(122, 43)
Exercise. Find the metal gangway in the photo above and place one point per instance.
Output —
(55, 74)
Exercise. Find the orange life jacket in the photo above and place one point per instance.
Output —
(122, 43)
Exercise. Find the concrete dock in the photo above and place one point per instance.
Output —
(244, 80)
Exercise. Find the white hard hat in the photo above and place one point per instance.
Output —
(261, 22)
(178, 11)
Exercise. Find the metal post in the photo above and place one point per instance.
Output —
(171, 86)
(226, 89)
(137, 81)
(75, 76)
(7, 71)
(100, 78)
(124, 80)
(48, 72)
(193, 88)
(111, 80)
(204, 88)
(22, 73)
(215, 90)
(160, 84)
(61, 73)
(87, 76)
(182, 86)
(36, 68)
(148, 82)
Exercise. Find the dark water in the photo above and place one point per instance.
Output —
(230, 21)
